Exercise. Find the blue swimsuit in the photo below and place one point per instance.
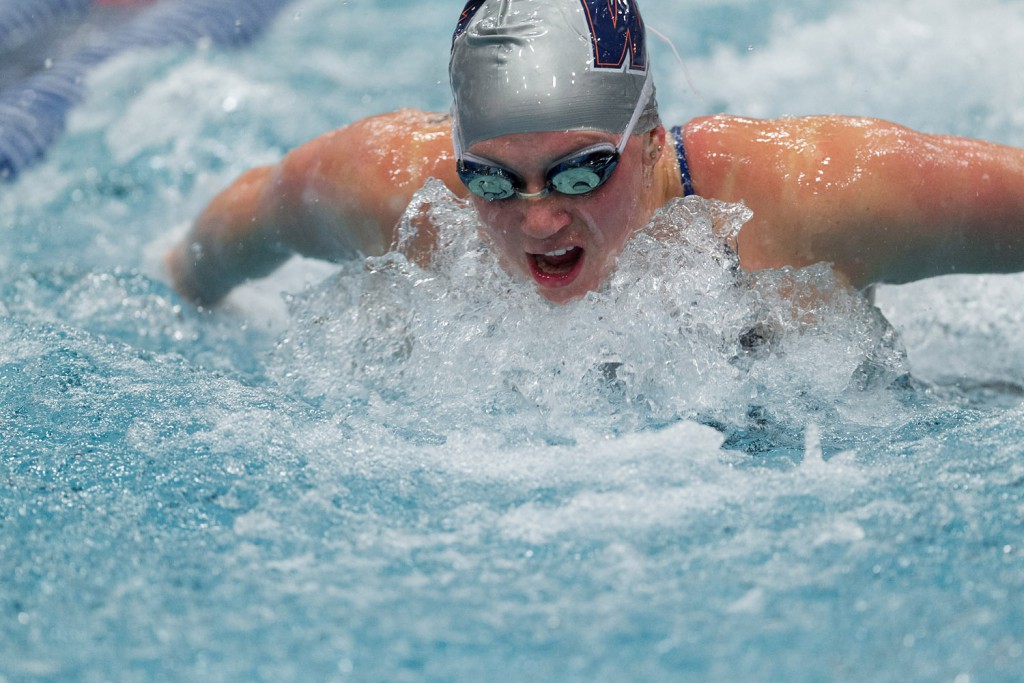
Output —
(684, 168)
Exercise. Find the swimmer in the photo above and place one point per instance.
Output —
(555, 138)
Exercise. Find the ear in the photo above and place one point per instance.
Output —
(654, 143)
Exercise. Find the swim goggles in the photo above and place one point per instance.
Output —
(576, 174)
(579, 173)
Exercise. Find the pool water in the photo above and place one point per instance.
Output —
(379, 472)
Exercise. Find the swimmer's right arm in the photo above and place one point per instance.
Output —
(337, 197)
(228, 243)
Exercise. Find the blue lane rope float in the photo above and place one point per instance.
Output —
(21, 20)
(33, 112)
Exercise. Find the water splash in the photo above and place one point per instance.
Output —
(679, 332)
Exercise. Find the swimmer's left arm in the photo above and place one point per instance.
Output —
(881, 202)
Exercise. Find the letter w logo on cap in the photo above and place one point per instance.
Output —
(618, 33)
(468, 12)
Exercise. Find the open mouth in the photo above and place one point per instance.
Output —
(557, 268)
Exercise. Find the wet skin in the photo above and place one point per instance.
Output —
(881, 203)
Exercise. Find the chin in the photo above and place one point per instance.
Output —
(565, 295)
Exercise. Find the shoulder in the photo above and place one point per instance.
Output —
(732, 155)
(382, 139)
(397, 151)
(399, 130)
(721, 132)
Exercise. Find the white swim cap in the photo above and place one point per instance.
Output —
(531, 66)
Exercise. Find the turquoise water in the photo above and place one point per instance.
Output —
(395, 474)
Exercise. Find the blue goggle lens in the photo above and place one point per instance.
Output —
(576, 175)
(582, 174)
(489, 182)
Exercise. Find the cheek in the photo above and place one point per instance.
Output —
(619, 209)
(490, 214)
(636, 188)
(494, 219)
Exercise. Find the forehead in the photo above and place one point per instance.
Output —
(523, 150)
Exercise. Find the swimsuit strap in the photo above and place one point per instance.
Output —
(684, 168)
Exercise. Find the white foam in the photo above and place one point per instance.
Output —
(924, 63)
(476, 483)
(678, 332)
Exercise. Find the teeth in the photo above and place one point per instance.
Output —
(559, 252)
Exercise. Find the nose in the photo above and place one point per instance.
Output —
(543, 217)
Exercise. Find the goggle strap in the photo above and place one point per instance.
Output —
(641, 104)
(456, 133)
